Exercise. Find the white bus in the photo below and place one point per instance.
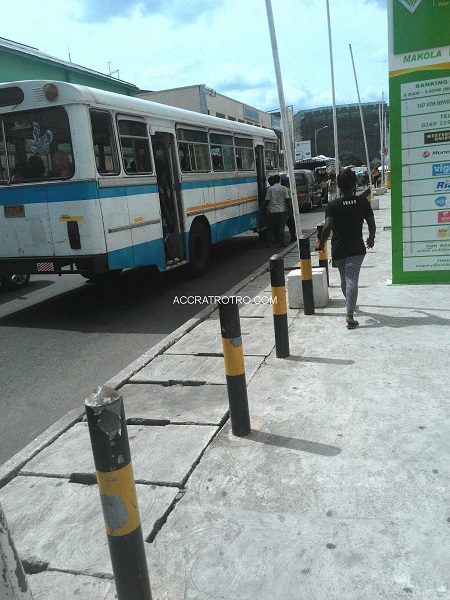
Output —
(93, 182)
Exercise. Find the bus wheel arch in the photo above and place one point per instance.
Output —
(199, 246)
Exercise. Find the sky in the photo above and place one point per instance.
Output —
(224, 44)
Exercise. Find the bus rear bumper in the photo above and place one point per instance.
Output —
(41, 265)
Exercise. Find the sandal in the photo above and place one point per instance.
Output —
(352, 324)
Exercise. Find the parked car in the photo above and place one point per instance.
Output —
(309, 191)
(15, 282)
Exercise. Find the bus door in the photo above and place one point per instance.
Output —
(166, 165)
(262, 185)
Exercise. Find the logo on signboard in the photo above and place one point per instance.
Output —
(411, 5)
(441, 169)
(441, 201)
(437, 137)
(426, 154)
(444, 216)
(443, 185)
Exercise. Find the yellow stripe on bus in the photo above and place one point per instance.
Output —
(119, 502)
(220, 204)
(233, 357)
(279, 306)
(306, 268)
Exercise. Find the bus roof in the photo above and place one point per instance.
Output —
(69, 93)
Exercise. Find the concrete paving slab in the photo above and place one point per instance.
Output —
(163, 455)
(247, 555)
(258, 339)
(146, 402)
(61, 523)
(315, 479)
(48, 585)
(191, 369)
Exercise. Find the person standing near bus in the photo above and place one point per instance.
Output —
(345, 217)
(276, 202)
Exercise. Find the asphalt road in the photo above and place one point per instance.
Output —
(61, 337)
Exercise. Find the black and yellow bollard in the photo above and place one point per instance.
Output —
(233, 356)
(307, 282)
(323, 254)
(279, 306)
(112, 457)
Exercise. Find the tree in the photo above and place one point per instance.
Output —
(348, 158)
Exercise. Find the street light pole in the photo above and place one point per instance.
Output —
(315, 137)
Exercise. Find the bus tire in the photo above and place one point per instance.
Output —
(15, 282)
(199, 248)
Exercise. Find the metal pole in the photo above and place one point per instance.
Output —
(382, 139)
(13, 581)
(307, 282)
(112, 457)
(284, 120)
(330, 44)
(362, 123)
(279, 307)
(233, 357)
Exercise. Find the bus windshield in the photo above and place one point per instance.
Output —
(35, 146)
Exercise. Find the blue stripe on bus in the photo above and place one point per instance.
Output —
(88, 190)
(225, 229)
(41, 194)
(140, 255)
(191, 185)
(68, 192)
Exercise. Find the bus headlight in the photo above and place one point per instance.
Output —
(51, 92)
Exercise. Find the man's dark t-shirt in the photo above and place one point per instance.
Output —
(348, 214)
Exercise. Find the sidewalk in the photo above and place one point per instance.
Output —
(340, 492)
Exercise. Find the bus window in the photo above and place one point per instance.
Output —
(222, 152)
(135, 146)
(28, 141)
(270, 153)
(245, 156)
(104, 143)
(193, 150)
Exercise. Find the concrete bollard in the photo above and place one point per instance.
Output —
(112, 457)
(279, 306)
(13, 581)
(307, 283)
(233, 356)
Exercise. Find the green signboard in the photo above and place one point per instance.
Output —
(419, 90)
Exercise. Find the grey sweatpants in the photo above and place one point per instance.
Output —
(349, 269)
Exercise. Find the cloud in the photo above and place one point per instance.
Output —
(178, 11)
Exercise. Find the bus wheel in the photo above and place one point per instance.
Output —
(15, 282)
(199, 249)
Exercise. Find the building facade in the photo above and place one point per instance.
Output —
(19, 62)
(316, 125)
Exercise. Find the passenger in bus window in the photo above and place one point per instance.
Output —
(34, 169)
(217, 162)
(61, 165)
